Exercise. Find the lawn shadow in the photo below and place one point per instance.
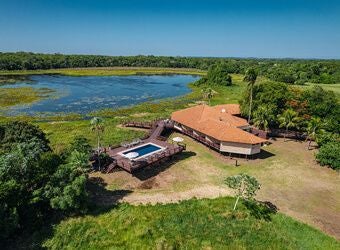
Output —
(153, 170)
(102, 199)
(264, 154)
(262, 210)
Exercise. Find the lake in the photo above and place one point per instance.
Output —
(88, 93)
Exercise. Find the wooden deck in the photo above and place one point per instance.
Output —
(201, 139)
(156, 129)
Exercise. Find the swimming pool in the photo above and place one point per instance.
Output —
(144, 150)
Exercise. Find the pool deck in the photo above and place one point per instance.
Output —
(154, 137)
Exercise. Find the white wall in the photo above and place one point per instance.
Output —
(240, 148)
(178, 127)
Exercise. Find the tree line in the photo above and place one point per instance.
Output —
(290, 71)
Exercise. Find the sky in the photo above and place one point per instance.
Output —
(243, 28)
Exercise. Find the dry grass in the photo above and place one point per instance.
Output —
(290, 179)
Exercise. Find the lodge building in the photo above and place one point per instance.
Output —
(220, 127)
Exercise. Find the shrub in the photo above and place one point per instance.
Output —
(329, 155)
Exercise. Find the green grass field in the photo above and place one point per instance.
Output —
(192, 224)
(333, 87)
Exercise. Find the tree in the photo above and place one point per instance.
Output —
(68, 196)
(217, 75)
(250, 77)
(98, 127)
(273, 94)
(80, 144)
(66, 189)
(20, 181)
(321, 103)
(9, 216)
(245, 186)
(263, 116)
(313, 127)
(79, 161)
(288, 119)
(20, 132)
(208, 93)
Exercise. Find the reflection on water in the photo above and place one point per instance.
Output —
(85, 94)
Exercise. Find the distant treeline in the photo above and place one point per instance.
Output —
(291, 71)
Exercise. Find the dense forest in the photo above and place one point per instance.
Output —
(291, 71)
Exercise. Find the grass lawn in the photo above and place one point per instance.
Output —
(290, 179)
(192, 224)
(333, 87)
(61, 133)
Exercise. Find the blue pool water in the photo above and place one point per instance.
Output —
(88, 93)
(143, 150)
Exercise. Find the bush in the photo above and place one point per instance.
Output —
(329, 155)
(326, 137)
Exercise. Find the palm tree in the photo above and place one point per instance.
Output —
(263, 116)
(250, 77)
(289, 119)
(97, 127)
(208, 93)
(79, 161)
(313, 126)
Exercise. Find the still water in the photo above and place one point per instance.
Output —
(88, 93)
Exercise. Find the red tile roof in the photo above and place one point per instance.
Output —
(233, 109)
(217, 123)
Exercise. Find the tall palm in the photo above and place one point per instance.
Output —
(314, 125)
(208, 93)
(250, 77)
(263, 116)
(98, 127)
(288, 119)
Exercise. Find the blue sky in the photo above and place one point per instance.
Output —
(244, 28)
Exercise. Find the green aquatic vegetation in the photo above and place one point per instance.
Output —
(11, 79)
(23, 96)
